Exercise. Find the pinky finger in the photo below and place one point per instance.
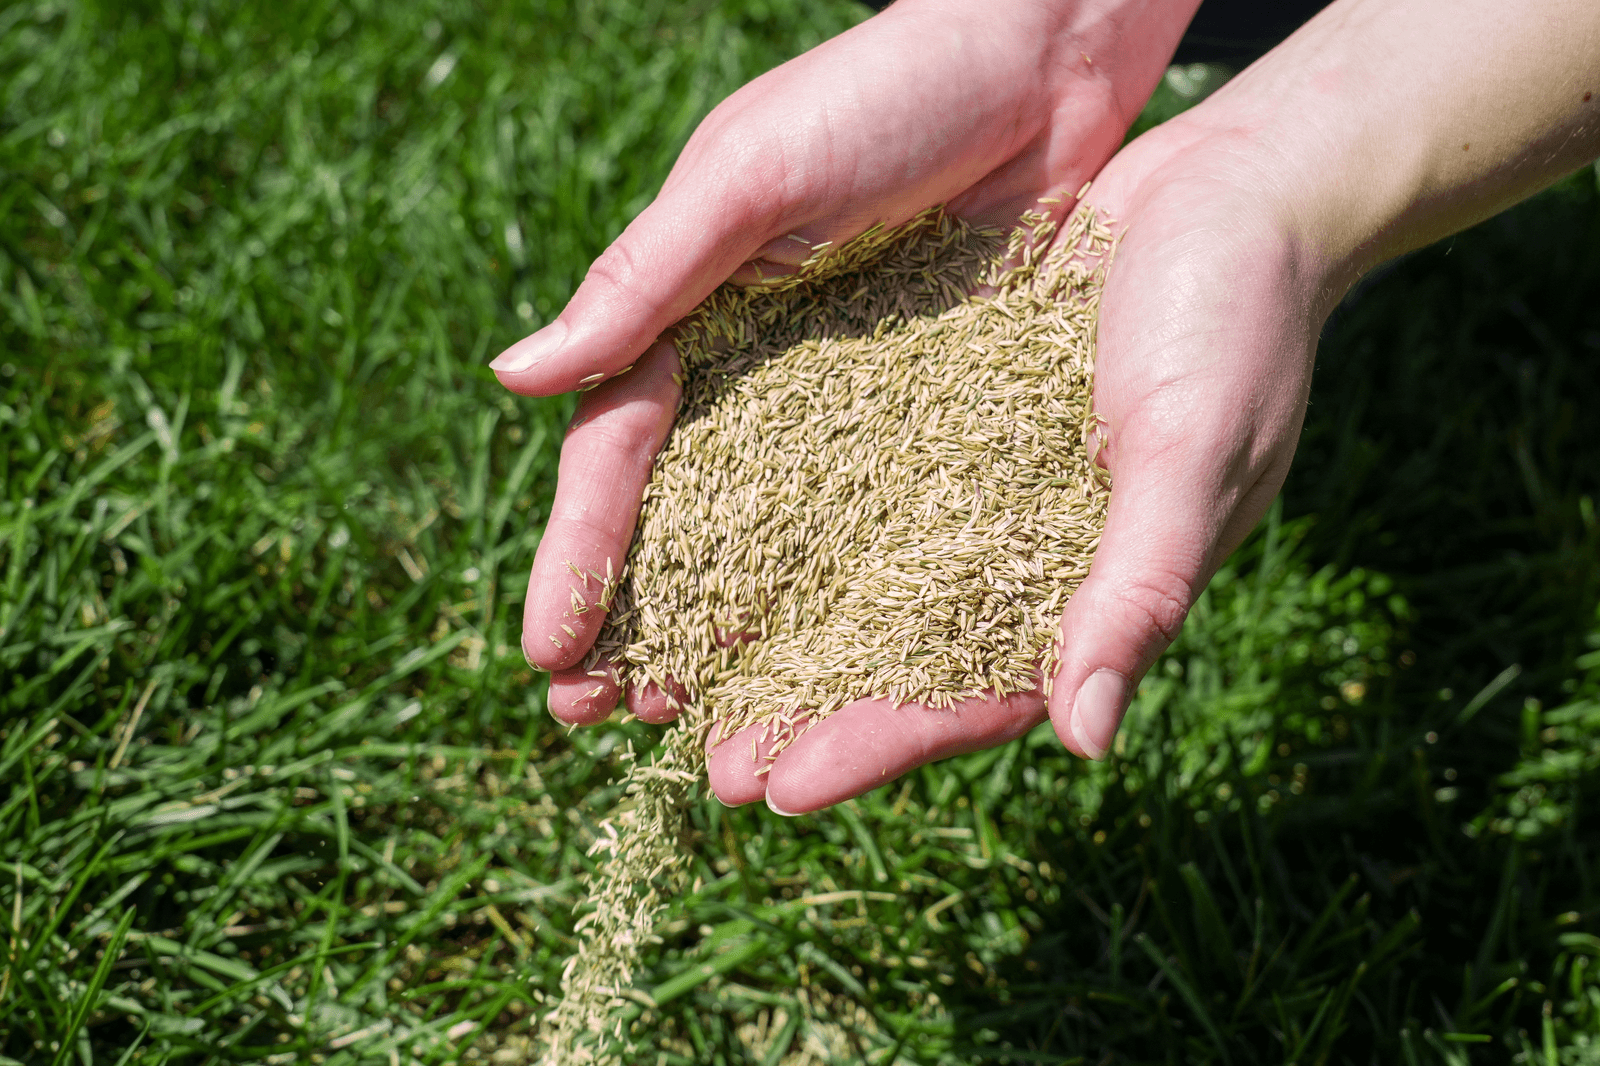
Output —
(650, 703)
(584, 697)
(736, 767)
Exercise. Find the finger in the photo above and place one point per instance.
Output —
(669, 259)
(733, 766)
(871, 742)
(823, 147)
(1152, 563)
(651, 703)
(1143, 580)
(584, 697)
(605, 466)
(1201, 380)
(776, 259)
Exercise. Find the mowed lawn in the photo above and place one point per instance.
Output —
(278, 786)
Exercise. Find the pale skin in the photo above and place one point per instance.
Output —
(1380, 126)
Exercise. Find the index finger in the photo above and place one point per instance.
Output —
(605, 465)
(869, 743)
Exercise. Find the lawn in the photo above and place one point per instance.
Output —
(280, 788)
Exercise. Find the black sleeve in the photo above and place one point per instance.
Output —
(1235, 32)
(1238, 32)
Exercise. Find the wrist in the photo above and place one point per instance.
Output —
(1383, 126)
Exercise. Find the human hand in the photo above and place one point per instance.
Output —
(1244, 222)
(985, 107)
(1207, 329)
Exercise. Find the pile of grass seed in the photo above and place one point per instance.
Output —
(877, 486)
(876, 479)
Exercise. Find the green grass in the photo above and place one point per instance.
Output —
(279, 787)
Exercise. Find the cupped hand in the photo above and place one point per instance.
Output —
(1207, 333)
(1203, 362)
(985, 107)
(1243, 222)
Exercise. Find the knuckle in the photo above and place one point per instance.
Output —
(743, 172)
(618, 273)
(621, 450)
(1160, 601)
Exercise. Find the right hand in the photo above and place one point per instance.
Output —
(985, 107)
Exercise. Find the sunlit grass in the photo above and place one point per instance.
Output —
(280, 787)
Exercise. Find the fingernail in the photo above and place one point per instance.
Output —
(779, 810)
(1097, 711)
(531, 350)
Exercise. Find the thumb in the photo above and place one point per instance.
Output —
(1167, 531)
(1130, 607)
(671, 257)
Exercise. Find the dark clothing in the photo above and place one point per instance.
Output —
(1234, 32)
(1239, 32)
